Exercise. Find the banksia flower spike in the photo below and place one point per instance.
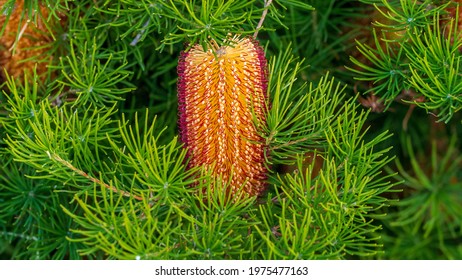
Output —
(221, 92)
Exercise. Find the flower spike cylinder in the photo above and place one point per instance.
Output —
(221, 92)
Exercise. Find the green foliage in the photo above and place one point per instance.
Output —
(297, 120)
(432, 212)
(436, 75)
(92, 76)
(423, 59)
(442, 188)
(407, 15)
(91, 167)
(331, 31)
(387, 72)
(415, 60)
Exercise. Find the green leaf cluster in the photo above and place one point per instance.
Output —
(415, 58)
(427, 223)
(412, 63)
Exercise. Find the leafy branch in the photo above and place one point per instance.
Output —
(425, 63)
(94, 180)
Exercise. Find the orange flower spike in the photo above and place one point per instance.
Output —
(219, 92)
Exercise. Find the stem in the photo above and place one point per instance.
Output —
(23, 29)
(408, 116)
(262, 19)
(81, 173)
(289, 143)
(20, 235)
(138, 36)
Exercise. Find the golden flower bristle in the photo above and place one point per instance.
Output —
(220, 92)
(23, 39)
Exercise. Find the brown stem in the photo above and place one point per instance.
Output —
(262, 19)
(289, 143)
(81, 173)
(408, 116)
(23, 29)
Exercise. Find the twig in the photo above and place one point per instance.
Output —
(23, 29)
(81, 173)
(262, 19)
(20, 235)
(138, 36)
(289, 143)
(408, 116)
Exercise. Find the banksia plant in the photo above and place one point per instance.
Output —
(390, 64)
(141, 149)
(222, 95)
(417, 77)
